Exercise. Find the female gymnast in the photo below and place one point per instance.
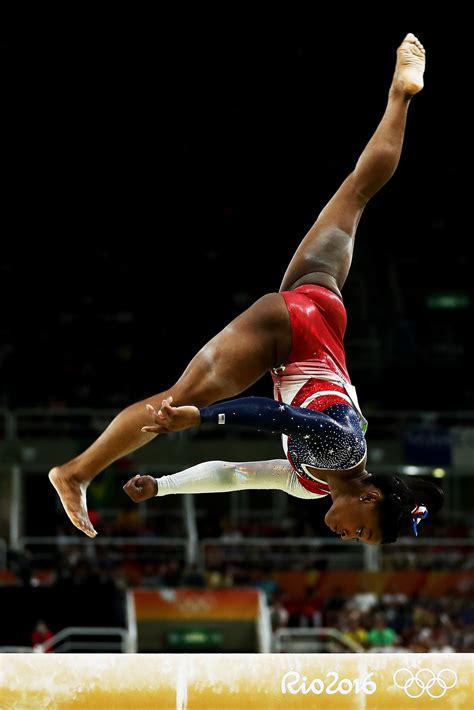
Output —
(297, 336)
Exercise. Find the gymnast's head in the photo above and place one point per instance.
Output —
(383, 507)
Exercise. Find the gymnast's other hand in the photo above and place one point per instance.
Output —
(170, 418)
(141, 488)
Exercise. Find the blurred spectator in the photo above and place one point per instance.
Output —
(279, 615)
(220, 578)
(172, 574)
(311, 607)
(263, 580)
(381, 635)
(333, 605)
(364, 600)
(192, 577)
(20, 563)
(355, 630)
(40, 634)
(150, 576)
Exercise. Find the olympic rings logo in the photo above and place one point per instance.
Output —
(425, 680)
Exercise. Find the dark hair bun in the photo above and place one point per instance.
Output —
(400, 495)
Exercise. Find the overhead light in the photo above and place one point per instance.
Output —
(439, 472)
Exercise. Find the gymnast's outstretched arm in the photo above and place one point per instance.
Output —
(221, 477)
(260, 413)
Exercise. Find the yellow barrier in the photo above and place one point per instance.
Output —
(237, 681)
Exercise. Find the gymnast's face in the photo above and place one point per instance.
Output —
(355, 517)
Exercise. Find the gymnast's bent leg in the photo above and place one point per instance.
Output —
(250, 346)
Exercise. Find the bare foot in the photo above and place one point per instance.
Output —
(410, 65)
(73, 497)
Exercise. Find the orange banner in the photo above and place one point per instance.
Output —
(208, 604)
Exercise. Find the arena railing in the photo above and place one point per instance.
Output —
(94, 639)
(285, 551)
(278, 553)
(332, 553)
(136, 548)
(313, 640)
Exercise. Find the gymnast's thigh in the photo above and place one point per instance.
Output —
(251, 345)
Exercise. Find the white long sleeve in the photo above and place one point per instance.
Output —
(226, 476)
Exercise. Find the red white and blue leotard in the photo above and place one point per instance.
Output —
(315, 406)
(315, 375)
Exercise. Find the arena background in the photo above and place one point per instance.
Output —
(158, 175)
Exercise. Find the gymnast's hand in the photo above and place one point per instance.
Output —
(170, 418)
(141, 488)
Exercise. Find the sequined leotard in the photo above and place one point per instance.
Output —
(331, 440)
(316, 407)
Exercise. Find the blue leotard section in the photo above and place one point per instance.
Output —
(332, 439)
